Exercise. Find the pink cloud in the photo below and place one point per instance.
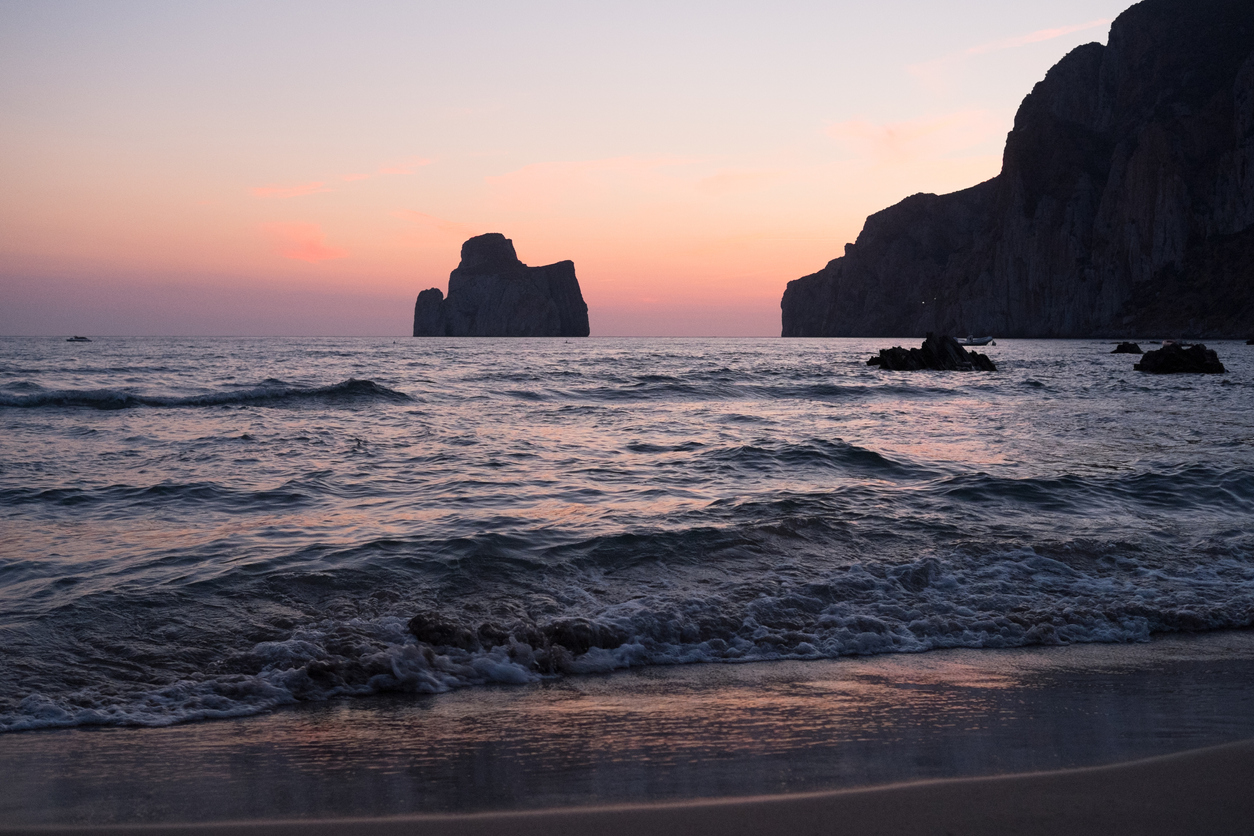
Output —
(407, 166)
(290, 191)
(302, 242)
(1035, 37)
(933, 73)
(452, 228)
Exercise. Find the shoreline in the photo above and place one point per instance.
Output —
(654, 738)
(1199, 791)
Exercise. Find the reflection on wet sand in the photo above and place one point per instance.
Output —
(654, 734)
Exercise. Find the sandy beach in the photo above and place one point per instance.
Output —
(1204, 792)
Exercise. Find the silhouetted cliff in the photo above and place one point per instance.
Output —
(493, 294)
(1125, 204)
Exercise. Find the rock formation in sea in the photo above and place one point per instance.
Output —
(1125, 204)
(493, 294)
(1127, 348)
(941, 353)
(1174, 358)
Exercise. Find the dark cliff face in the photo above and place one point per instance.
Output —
(493, 294)
(1125, 204)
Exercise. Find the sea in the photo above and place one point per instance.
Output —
(197, 529)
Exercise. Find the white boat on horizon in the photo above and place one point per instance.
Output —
(973, 340)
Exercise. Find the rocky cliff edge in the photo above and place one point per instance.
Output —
(1125, 204)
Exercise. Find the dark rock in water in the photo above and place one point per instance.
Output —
(493, 294)
(434, 629)
(547, 649)
(941, 353)
(1125, 203)
(579, 635)
(1250, 341)
(1179, 359)
(1127, 348)
(491, 635)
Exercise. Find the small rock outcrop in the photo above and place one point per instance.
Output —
(544, 648)
(493, 294)
(1127, 348)
(1174, 358)
(936, 354)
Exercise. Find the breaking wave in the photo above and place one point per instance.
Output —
(268, 393)
(1011, 598)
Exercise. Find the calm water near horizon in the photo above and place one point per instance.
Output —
(208, 528)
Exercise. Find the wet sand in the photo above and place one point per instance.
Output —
(1200, 792)
(785, 747)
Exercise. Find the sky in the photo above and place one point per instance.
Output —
(306, 168)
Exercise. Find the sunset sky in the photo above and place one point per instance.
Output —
(304, 168)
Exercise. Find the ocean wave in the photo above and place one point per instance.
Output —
(545, 512)
(1009, 598)
(1212, 488)
(649, 390)
(269, 393)
(122, 499)
(812, 453)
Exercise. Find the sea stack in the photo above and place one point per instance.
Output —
(493, 294)
(1125, 204)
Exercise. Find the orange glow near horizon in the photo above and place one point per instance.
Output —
(689, 178)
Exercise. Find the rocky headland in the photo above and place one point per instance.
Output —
(493, 294)
(1125, 204)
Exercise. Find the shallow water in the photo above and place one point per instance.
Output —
(650, 735)
(217, 527)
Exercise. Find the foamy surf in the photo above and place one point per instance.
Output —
(427, 516)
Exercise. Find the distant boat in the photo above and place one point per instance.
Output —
(976, 341)
(77, 339)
